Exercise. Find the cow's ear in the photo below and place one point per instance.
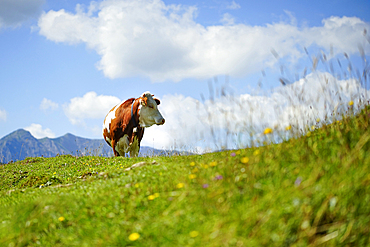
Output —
(144, 101)
(157, 101)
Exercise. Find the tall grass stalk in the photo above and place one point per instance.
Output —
(322, 94)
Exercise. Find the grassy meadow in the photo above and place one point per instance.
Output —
(307, 191)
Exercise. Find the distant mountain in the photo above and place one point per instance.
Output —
(20, 144)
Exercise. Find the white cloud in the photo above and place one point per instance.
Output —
(38, 132)
(229, 121)
(3, 115)
(89, 106)
(164, 42)
(14, 12)
(47, 104)
(227, 19)
(348, 29)
(183, 123)
(233, 5)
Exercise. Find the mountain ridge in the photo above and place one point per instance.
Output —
(20, 144)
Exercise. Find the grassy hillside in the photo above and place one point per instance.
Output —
(306, 191)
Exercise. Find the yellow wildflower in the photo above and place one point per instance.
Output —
(267, 131)
(288, 127)
(192, 176)
(350, 103)
(244, 160)
(134, 236)
(213, 163)
(194, 234)
(192, 163)
(151, 197)
(257, 152)
(61, 218)
(180, 185)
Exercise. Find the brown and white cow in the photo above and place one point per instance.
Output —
(124, 125)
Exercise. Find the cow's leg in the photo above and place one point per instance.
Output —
(134, 148)
(113, 143)
(122, 145)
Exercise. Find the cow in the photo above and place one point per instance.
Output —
(124, 125)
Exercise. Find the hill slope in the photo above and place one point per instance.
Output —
(308, 191)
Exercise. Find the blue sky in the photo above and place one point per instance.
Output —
(65, 63)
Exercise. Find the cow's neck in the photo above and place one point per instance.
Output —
(134, 112)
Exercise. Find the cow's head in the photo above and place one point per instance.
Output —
(149, 113)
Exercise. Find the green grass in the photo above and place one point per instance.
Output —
(309, 190)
